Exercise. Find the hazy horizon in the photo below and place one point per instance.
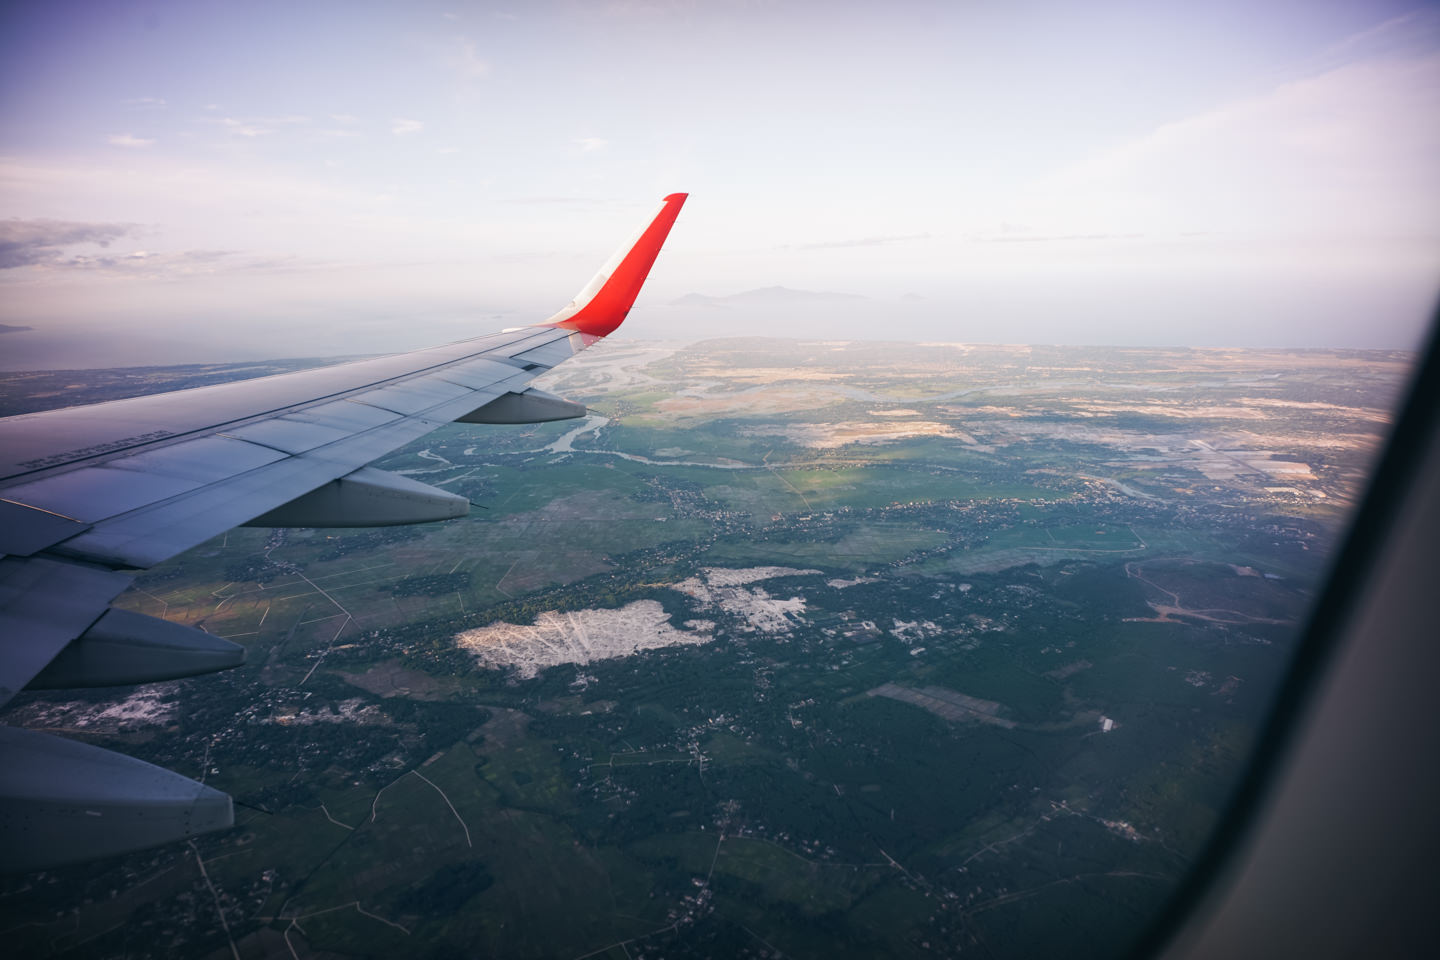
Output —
(217, 182)
(79, 356)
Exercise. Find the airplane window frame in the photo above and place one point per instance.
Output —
(1397, 475)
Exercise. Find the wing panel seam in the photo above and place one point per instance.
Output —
(209, 429)
(31, 506)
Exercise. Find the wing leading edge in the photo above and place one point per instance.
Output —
(90, 494)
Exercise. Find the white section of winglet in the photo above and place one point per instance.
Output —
(597, 282)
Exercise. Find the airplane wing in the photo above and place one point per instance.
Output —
(90, 494)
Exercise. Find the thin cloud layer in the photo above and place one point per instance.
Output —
(467, 62)
(1350, 151)
(1231, 172)
(27, 242)
(127, 140)
(858, 242)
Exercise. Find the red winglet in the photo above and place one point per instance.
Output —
(606, 300)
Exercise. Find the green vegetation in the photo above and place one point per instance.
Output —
(1063, 551)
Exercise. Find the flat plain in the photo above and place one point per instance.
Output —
(787, 649)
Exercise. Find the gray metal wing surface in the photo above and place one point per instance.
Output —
(89, 495)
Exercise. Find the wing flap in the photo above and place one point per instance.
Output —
(26, 530)
(476, 374)
(144, 537)
(345, 415)
(551, 354)
(164, 488)
(203, 459)
(288, 434)
(38, 443)
(412, 396)
(94, 493)
(44, 604)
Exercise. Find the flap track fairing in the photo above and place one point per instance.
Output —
(531, 406)
(367, 498)
(63, 802)
(126, 647)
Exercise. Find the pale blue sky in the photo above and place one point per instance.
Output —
(285, 179)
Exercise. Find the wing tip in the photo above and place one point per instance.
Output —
(607, 299)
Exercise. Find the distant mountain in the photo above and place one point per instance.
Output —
(11, 328)
(765, 296)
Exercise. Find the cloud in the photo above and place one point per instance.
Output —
(1018, 237)
(27, 242)
(1413, 33)
(242, 129)
(401, 127)
(1347, 153)
(767, 296)
(647, 8)
(861, 242)
(156, 264)
(554, 199)
(126, 140)
(259, 126)
(465, 61)
(455, 55)
(39, 244)
(144, 103)
(344, 127)
(592, 144)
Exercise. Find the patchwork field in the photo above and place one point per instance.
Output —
(788, 648)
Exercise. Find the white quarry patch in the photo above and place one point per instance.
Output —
(735, 577)
(353, 710)
(725, 588)
(143, 708)
(910, 631)
(839, 584)
(579, 636)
